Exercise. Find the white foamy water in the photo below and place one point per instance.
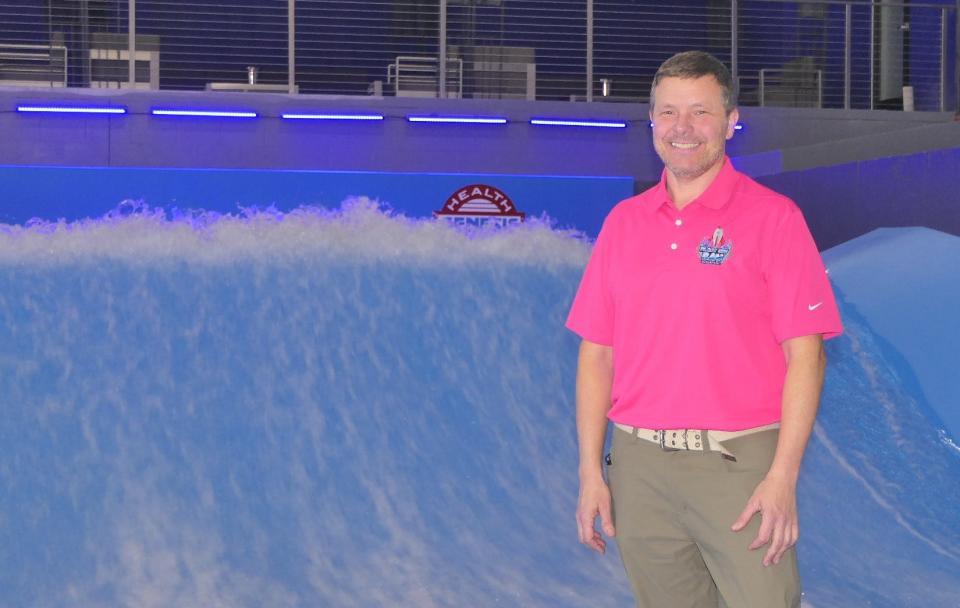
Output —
(361, 229)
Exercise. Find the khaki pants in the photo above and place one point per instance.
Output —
(673, 511)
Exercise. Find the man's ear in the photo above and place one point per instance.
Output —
(732, 119)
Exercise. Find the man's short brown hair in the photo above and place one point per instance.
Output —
(694, 64)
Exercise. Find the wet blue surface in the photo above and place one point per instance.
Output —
(385, 421)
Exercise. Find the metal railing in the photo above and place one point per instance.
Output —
(419, 76)
(817, 53)
(791, 87)
(33, 65)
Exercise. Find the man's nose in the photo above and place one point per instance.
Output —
(683, 123)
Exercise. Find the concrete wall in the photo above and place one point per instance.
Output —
(141, 140)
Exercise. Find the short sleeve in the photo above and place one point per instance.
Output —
(801, 299)
(591, 314)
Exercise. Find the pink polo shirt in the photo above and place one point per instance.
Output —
(695, 303)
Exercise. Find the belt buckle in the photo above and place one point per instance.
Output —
(681, 436)
(662, 433)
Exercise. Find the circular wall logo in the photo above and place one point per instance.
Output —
(479, 204)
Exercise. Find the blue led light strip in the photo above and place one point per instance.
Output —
(553, 122)
(204, 113)
(332, 116)
(72, 109)
(485, 120)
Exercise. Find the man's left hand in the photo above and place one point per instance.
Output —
(776, 501)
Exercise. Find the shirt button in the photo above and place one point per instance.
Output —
(679, 222)
(673, 245)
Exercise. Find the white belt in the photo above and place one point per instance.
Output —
(693, 439)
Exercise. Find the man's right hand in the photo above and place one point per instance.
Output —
(594, 501)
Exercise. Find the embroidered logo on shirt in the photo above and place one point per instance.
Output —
(814, 306)
(714, 250)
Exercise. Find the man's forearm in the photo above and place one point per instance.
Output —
(806, 363)
(594, 383)
(775, 497)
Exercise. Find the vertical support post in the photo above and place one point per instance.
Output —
(442, 55)
(734, 50)
(132, 43)
(944, 19)
(86, 62)
(847, 52)
(873, 49)
(291, 46)
(763, 87)
(589, 50)
(956, 59)
(819, 89)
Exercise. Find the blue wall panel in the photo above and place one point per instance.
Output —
(73, 193)
(845, 201)
(839, 202)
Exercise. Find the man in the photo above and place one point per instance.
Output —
(703, 311)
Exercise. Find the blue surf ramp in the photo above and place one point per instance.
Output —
(352, 409)
(300, 410)
(880, 497)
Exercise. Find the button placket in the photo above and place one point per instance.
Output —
(678, 223)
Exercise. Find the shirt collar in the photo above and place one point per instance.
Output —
(716, 196)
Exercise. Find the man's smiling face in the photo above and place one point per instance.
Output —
(690, 125)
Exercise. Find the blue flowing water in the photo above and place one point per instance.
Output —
(354, 409)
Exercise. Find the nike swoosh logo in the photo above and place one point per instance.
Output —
(814, 306)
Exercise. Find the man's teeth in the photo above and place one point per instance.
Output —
(683, 146)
